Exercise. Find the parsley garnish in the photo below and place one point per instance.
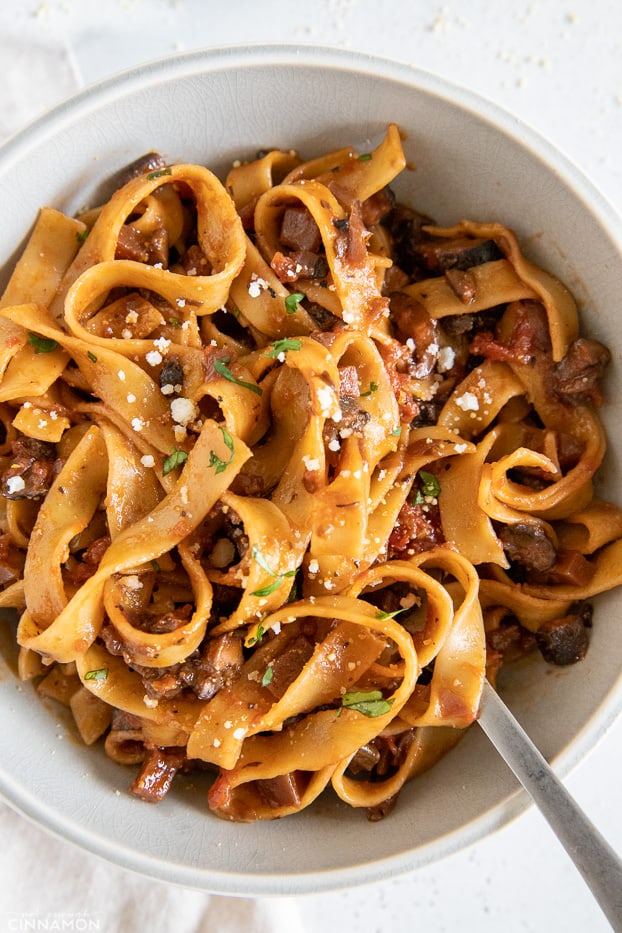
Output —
(155, 565)
(214, 459)
(256, 638)
(258, 556)
(278, 577)
(82, 235)
(267, 677)
(159, 174)
(100, 674)
(292, 301)
(270, 588)
(92, 357)
(370, 703)
(430, 486)
(373, 387)
(365, 157)
(387, 615)
(281, 346)
(396, 431)
(176, 459)
(294, 592)
(220, 365)
(174, 322)
(41, 344)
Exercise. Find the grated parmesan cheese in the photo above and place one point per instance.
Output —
(468, 402)
(256, 285)
(154, 357)
(446, 359)
(15, 484)
(311, 463)
(183, 410)
(325, 399)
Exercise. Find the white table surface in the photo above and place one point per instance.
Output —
(557, 64)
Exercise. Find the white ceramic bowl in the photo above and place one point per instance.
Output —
(472, 161)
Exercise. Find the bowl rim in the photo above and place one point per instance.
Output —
(212, 59)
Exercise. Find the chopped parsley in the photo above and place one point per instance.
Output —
(159, 174)
(370, 703)
(396, 432)
(256, 638)
(365, 157)
(100, 674)
(429, 488)
(92, 357)
(267, 676)
(278, 577)
(257, 555)
(81, 235)
(292, 301)
(214, 460)
(373, 387)
(155, 565)
(430, 485)
(270, 588)
(176, 458)
(281, 346)
(387, 615)
(41, 344)
(294, 592)
(220, 365)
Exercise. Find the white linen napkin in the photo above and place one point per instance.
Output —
(35, 77)
(49, 884)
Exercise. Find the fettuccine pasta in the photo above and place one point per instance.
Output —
(287, 470)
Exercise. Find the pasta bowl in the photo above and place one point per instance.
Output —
(466, 156)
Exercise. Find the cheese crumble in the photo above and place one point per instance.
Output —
(154, 357)
(445, 359)
(468, 402)
(311, 463)
(256, 286)
(183, 410)
(15, 484)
